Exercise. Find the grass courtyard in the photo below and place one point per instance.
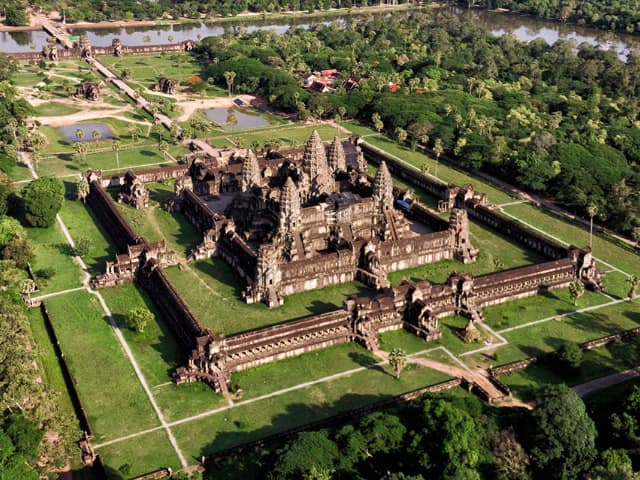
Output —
(276, 396)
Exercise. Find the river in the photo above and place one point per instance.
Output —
(522, 28)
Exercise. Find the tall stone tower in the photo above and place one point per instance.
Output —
(383, 189)
(315, 169)
(290, 218)
(250, 174)
(289, 207)
(383, 198)
(337, 159)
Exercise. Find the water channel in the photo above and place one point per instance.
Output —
(522, 28)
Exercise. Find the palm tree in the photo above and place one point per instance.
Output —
(576, 290)
(79, 134)
(115, 146)
(377, 122)
(438, 149)
(163, 147)
(397, 360)
(81, 149)
(133, 132)
(96, 134)
(229, 76)
(592, 209)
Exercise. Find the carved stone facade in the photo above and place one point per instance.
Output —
(134, 192)
(167, 85)
(89, 91)
(296, 222)
(116, 44)
(280, 242)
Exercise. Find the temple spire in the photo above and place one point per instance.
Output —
(250, 174)
(337, 160)
(383, 188)
(289, 207)
(315, 168)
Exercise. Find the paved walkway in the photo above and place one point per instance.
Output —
(585, 389)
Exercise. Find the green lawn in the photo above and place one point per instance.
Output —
(156, 453)
(537, 307)
(403, 339)
(288, 135)
(147, 69)
(247, 422)
(544, 337)
(52, 251)
(136, 158)
(48, 363)
(213, 292)
(608, 251)
(54, 109)
(597, 363)
(108, 387)
(155, 223)
(81, 223)
(445, 172)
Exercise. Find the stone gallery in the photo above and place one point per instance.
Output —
(305, 219)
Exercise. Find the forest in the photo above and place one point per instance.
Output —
(556, 120)
(459, 437)
(615, 15)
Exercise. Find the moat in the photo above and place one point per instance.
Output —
(522, 28)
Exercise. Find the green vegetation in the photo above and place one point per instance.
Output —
(99, 365)
(504, 107)
(154, 223)
(217, 299)
(42, 200)
(614, 15)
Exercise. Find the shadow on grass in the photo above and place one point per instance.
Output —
(297, 415)
(147, 153)
(366, 361)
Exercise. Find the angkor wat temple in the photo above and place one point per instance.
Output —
(310, 218)
(288, 224)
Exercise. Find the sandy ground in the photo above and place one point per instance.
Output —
(190, 106)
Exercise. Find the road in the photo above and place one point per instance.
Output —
(585, 389)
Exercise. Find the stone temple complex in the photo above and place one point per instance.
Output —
(305, 219)
(292, 224)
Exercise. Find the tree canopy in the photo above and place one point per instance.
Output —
(42, 200)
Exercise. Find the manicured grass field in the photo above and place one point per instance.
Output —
(52, 251)
(82, 223)
(54, 108)
(108, 387)
(147, 69)
(597, 363)
(137, 158)
(537, 307)
(155, 223)
(544, 337)
(287, 135)
(251, 421)
(445, 172)
(143, 455)
(48, 363)
(213, 292)
(608, 251)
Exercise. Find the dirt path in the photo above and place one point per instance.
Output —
(586, 388)
(190, 106)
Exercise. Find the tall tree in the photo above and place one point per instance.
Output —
(563, 436)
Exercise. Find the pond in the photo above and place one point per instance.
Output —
(235, 118)
(88, 129)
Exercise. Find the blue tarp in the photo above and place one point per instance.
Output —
(403, 204)
(239, 102)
